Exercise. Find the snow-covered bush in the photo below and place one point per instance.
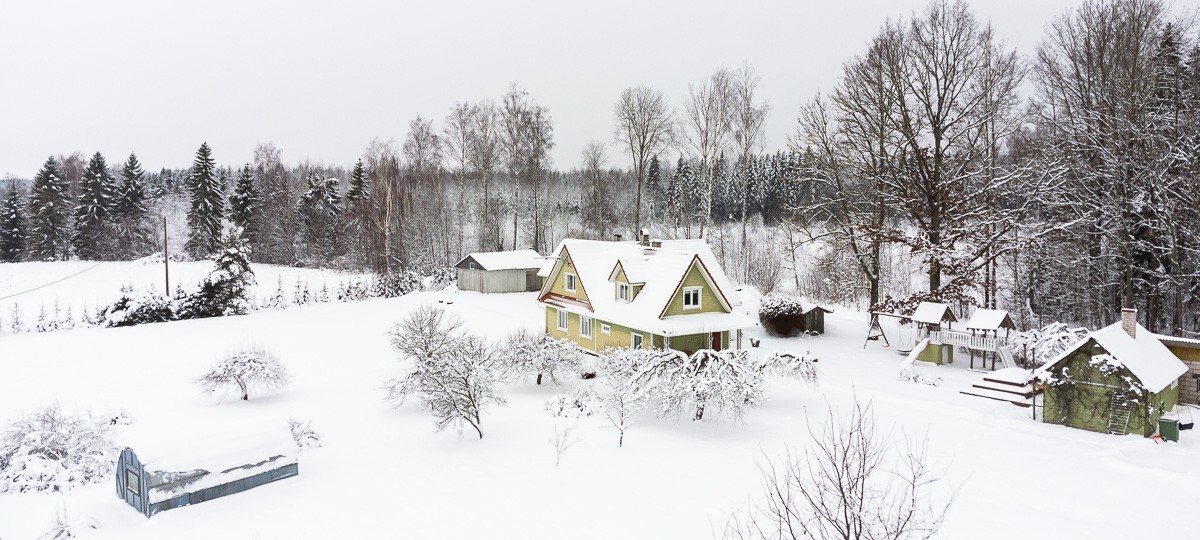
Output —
(454, 375)
(727, 381)
(1046, 343)
(542, 356)
(583, 401)
(133, 309)
(303, 433)
(915, 375)
(226, 290)
(442, 277)
(797, 366)
(781, 315)
(49, 450)
(252, 369)
(395, 284)
(63, 527)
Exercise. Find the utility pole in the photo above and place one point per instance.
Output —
(166, 262)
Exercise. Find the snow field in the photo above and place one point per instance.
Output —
(384, 472)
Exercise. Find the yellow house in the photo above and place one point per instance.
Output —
(661, 294)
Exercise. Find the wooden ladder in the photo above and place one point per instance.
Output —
(1118, 415)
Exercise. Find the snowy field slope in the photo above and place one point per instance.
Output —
(384, 472)
(92, 283)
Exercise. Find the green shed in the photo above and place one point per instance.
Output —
(1120, 379)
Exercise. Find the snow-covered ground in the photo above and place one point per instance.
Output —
(80, 284)
(385, 473)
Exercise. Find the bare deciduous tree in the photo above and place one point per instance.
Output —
(645, 126)
(254, 368)
(854, 483)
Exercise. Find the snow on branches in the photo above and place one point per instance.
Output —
(454, 374)
(255, 368)
(542, 356)
(49, 450)
(1046, 343)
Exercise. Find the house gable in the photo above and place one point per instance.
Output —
(712, 300)
(556, 282)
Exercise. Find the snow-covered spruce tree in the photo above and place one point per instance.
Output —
(15, 324)
(279, 299)
(542, 356)
(12, 225)
(49, 235)
(244, 205)
(134, 236)
(207, 206)
(134, 309)
(92, 238)
(320, 209)
(49, 450)
(254, 368)
(226, 290)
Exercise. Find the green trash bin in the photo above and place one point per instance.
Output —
(1168, 427)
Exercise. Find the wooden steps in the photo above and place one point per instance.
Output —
(1010, 385)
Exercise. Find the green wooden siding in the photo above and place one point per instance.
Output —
(560, 281)
(708, 297)
(618, 337)
(1086, 404)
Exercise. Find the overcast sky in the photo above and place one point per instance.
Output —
(321, 79)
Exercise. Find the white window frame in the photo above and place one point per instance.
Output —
(563, 320)
(570, 282)
(605, 329)
(585, 323)
(623, 290)
(699, 297)
(634, 338)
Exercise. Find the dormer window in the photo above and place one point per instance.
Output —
(623, 292)
(691, 298)
(570, 279)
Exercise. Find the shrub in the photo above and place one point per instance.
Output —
(49, 450)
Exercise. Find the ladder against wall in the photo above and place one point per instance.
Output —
(1119, 411)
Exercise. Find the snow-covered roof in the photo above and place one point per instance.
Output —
(1176, 341)
(521, 259)
(990, 319)
(1145, 356)
(661, 271)
(932, 313)
(181, 458)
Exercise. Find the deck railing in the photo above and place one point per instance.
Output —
(963, 339)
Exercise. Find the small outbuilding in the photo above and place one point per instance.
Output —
(1119, 379)
(160, 472)
(500, 271)
(783, 316)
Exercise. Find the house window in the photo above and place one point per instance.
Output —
(691, 298)
(623, 292)
(570, 278)
(562, 320)
(585, 326)
(605, 329)
(636, 340)
(131, 481)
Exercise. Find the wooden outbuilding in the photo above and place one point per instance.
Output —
(162, 470)
(500, 271)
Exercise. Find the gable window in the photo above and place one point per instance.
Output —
(605, 329)
(623, 292)
(691, 298)
(636, 340)
(585, 326)
(562, 320)
(570, 279)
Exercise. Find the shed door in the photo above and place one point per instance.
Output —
(130, 480)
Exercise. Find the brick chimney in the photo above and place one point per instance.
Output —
(1129, 321)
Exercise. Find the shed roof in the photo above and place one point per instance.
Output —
(1145, 355)
(933, 313)
(990, 319)
(521, 259)
(215, 447)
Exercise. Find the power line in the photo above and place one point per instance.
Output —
(51, 283)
